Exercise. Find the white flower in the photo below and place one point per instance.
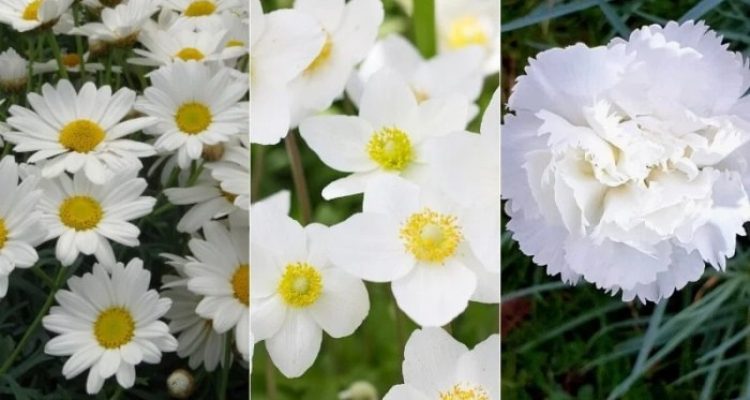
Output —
(20, 229)
(25, 15)
(197, 339)
(14, 71)
(208, 111)
(237, 35)
(621, 163)
(108, 322)
(417, 239)
(180, 43)
(79, 131)
(283, 44)
(84, 216)
(121, 25)
(388, 136)
(220, 273)
(467, 23)
(72, 63)
(297, 291)
(233, 174)
(436, 366)
(350, 31)
(211, 202)
(447, 74)
(198, 10)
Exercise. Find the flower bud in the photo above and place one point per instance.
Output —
(360, 390)
(180, 384)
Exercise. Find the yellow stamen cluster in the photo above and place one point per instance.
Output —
(193, 118)
(300, 285)
(190, 54)
(31, 12)
(466, 31)
(431, 236)
(391, 148)
(114, 327)
(460, 392)
(3, 233)
(81, 213)
(81, 135)
(322, 58)
(241, 284)
(230, 197)
(200, 8)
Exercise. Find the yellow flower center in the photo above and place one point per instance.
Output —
(193, 118)
(114, 327)
(3, 233)
(391, 148)
(190, 53)
(200, 8)
(235, 43)
(230, 197)
(466, 31)
(431, 236)
(71, 60)
(81, 213)
(81, 135)
(300, 285)
(322, 58)
(241, 284)
(31, 12)
(460, 392)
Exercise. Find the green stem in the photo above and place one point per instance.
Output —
(37, 321)
(58, 55)
(272, 390)
(424, 27)
(224, 382)
(118, 392)
(257, 172)
(79, 40)
(298, 176)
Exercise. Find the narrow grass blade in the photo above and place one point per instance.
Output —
(614, 19)
(551, 13)
(533, 290)
(700, 10)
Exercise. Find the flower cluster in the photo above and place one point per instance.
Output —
(146, 111)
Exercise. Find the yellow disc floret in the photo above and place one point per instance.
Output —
(391, 148)
(467, 31)
(3, 233)
(190, 54)
(200, 8)
(71, 60)
(300, 285)
(461, 392)
(431, 236)
(81, 213)
(114, 327)
(241, 284)
(31, 12)
(322, 58)
(193, 118)
(81, 135)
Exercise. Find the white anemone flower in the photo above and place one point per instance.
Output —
(79, 131)
(470, 23)
(350, 31)
(83, 216)
(436, 366)
(25, 15)
(622, 164)
(14, 71)
(297, 292)
(418, 240)
(108, 322)
(388, 136)
(283, 44)
(120, 26)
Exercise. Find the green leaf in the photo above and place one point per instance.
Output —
(700, 10)
(550, 13)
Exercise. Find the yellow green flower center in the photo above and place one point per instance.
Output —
(71, 60)
(460, 392)
(81, 135)
(3, 233)
(114, 328)
(190, 53)
(31, 12)
(200, 8)
(466, 31)
(241, 284)
(431, 236)
(391, 148)
(235, 43)
(193, 118)
(230, 197)
(322, 58)
(300, 285)
(81, 213)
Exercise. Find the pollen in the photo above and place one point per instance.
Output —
(190, 54)
(71, 60)
(81, 213)
(466, 31)
(300, 285)
(241, 284)
(461, 392)
(31, 12)
(114, 327)
(193, 118)
(200, 8)
(322, 58)
(3, 233)
(81, 135)
(430, 236)
(391, 148)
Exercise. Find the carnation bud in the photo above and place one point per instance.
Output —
(180, 384)
(360, 390)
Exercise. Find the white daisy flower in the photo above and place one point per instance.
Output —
(208, 111)
(179, 43)
(108, 322)
(233, 174)
(79, 131)
(25, 15)
(220, 273)
(197, 339)
(417, 239)
(350, 31)
(447, 74)
(630, 175)
(436, 366)
(20, 230)
(198, 10)
(297, 291)
(237, 32)
(84, 216)
(466, 23)
(388, 136)
(120, 26)
(73, 63)
(14, 71)
(211, 202)
(283, 44)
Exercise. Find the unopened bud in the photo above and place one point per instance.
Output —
(360, 390)
(180, 384)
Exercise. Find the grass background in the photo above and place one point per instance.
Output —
(579, 343)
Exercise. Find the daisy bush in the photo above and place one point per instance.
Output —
(124, 198)
(375, 205)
